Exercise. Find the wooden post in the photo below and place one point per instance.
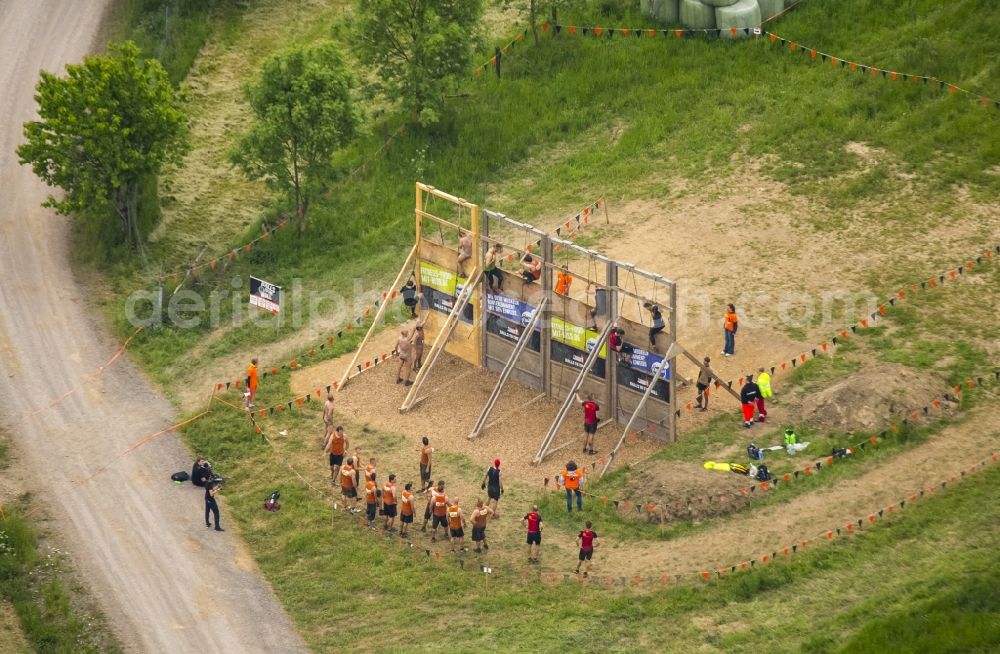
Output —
(671, 352)
(496, 57)
(607, 220)
(545, 306)
(611, 363)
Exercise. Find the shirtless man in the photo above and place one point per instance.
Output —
(480, 516)
(464, 251)
(328, 416)
(418, 346)
(426, 452)
(403, 348)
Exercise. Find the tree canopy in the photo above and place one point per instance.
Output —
(417, 48)
(303, 114)
(110, 122)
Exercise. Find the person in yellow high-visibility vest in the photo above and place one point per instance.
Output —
(764, 384)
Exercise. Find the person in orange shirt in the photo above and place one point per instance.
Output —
(405, 510)
(426, 455)
(480, 517)
(335, 446)
(370, 468)
(730, 325)
(572, 478)
(371, 499)
(348, 485)
(563, 281)
(389, 502)
(438, 505)
(456, 525)
(252, 383)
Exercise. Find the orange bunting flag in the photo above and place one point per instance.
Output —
(802, 357)
(952, 274)
(689, 406)
(812, 53)
(706, 575)
(604, 501)
(652, 33)
(262, 413)
(213, 263)
(479, 70)
(281, 407)
(368, 364)
(368, 311)
(829, 535)
(936, 403)
(597, 31)
(893, 75)
(793, 45)
(625, 31)
(627, 505)
(572, 29)
(871, 517)
(744, 565)
(881, 309)
(874, 72)
(732, 30)
(218, 387)
(901, 294)
(312, 352)
(765, 558)
(864, 322)
(350, 326)
(787, 551)
(650, 508)
(953, 89)
(764, 485)
(783, 365)
(834, 61)
(850, 526)
(298, 401)
(678, 33)
(854, 68)
(874, 440)
(330, 340)
(843, 333)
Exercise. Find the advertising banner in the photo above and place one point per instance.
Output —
(265, 295)
(572, 343)
(440, 288)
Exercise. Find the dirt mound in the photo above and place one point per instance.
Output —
(685, 491)
(861, 401)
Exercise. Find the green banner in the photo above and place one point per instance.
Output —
(574, 335)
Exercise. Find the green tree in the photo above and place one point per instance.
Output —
(111, 122)
(304, 114)
(418, 48)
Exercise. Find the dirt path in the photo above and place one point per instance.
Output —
(165, 582)
(744, 536)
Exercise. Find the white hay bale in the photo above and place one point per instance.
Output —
(745, 13)
(664, 11)
(770, 8)
(697, 15)
(719, 3)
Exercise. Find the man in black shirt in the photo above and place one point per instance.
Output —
(201, 472)
(211, 506)
(748, 396)
(493, 485)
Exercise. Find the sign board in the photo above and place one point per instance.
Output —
(440, 288)
(265, 295)
(572, 343)
(507, 318)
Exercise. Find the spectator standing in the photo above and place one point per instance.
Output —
(493, 484)
(704, 381)
(211, 506)
(729, 326)
(252, 382)
(572, 478)
(764, 385)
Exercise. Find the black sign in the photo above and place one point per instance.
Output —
(444, 303)
(570, 356)
(639, 382)
(511, 331)
(265, 295)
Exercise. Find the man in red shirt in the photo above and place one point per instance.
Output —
(533, 521)
(590, 409)
(587, 540)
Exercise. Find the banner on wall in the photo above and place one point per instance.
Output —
(639, 381)
(440, 288)
(572, 343)
(646, 361)
(507, 317)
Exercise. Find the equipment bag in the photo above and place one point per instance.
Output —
(763, 474)
(180, 476)
(271, 504)
(755, 453)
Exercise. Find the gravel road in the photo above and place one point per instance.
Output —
(166, 582)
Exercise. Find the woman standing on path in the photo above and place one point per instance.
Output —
(729, 330)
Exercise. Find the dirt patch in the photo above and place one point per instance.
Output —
(860, 401)
(685, 491)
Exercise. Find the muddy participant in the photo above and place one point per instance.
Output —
(456, 526)
(704, 380)
(418, 346)
(426, 455)
(328, 416)
(405, 510)
(335, 447)
(493, 484)
(480, 517)
(464, 251)
(389, 503)
(587, 541)
(590, 409)
(533, 521)
(403, 348)
(493, 274)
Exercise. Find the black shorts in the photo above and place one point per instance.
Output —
(410, 301)
(406, 518)
(425, 472)
(458, 533)
(440, 521)
(349, 492)
(478, 533)
(336, 459)
(372, 510)
(427, 513)
(527, 276)
(701, 387)
(590, 427)
(586, 555)
(389, 510)
(534, 538)
(493, 492)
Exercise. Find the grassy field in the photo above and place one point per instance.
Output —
(584, 118)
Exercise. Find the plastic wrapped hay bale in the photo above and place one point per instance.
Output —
(769, 8)
(745, 13)
(697, 15)
(664, 11)
(719, 3)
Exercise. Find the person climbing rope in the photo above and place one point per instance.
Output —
(657, 324)
(491, 268)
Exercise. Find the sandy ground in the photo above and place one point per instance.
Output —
(165, 582)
